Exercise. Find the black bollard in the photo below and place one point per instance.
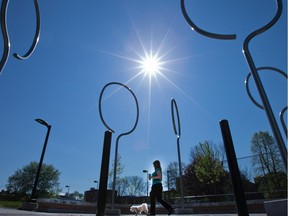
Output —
(101, 202)
(234, 170)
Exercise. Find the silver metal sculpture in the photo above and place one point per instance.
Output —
(254, 72)
(266, 105)
(201, 31)
(122, 134)
(178, 134)
(36, 36)
(282, 120)
(259, 105)
(5, 35)
(6, 50)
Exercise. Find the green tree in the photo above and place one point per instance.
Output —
(268, 160)
(193, 186)
(22, 181)
(122, 184)
(267, 164)
(172, 175)
(134, 186)
(119, 171)
(209, 168)
(266, 185)
(206, 174)
(76, 195)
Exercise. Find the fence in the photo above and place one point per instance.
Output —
(258, 180)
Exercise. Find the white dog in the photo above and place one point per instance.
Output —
(139, 209)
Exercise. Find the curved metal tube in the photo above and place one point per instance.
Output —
(249, 93)
(36, 37)
(283, 122)
(201, 31)
(259, 85)
(100, 108)
(126, 133)
(174, 104)
(178, 133)
(5, 35)
(248, 78)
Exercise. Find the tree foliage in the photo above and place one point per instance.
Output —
(208, 167)
(268, 165)
(172, 175)
(119, 171)
(272, 185)
(193, 186)
(22, 181)
(133, 186)
(206, 174)
(76, 195)
(268, 160)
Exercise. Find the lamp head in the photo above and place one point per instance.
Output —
(42, 122)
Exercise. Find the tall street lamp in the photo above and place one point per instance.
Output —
(96, 183)
(146, 171)
(41, 158)
(168, 180)
(168, 183)
(67, 186)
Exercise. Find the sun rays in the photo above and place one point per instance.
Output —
(151, 65)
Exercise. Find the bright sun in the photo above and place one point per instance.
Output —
(151, 65)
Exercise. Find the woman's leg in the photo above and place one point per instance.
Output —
(152, 201)
(159, 190)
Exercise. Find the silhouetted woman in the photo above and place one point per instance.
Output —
(156, 191)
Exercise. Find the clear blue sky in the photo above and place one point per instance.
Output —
(86, 44)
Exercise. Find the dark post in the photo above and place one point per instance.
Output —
(147, 184)
(101, 202)
(234, 169)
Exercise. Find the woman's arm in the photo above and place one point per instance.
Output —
(158, 175)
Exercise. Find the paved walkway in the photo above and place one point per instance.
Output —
(14, 212)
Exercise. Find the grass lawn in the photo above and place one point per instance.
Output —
(10, 204)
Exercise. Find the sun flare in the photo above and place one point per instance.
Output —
(151, 65)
